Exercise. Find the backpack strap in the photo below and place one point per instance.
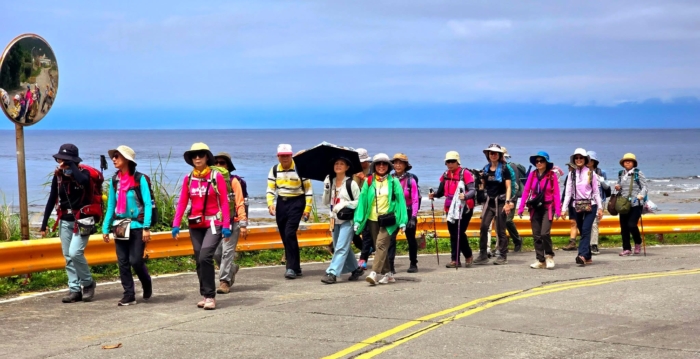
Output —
(137, 187)
(348, 187)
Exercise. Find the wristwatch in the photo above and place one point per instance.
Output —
(146, 228)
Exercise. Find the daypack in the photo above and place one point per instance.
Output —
(521, 174)
(92, 196)
(514, 185)
(470, 202)
(410, 194)
(229, 191)
(636, 179)
(244, 188)
(139, 196)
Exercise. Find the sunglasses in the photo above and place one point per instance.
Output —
(115, 155)
(198, 154)
(540, 160)
(494, 153)
(576, 158)
(221, 163)
(382, 164)
(451, 161)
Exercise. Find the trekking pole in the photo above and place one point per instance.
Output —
(432, 208)
(644, 242)
(459, 228)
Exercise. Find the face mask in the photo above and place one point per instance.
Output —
(68, 172)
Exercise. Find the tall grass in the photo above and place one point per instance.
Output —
(9, 222)
(165, 195)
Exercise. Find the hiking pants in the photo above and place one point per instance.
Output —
(541, 228)
(288, 215)
(224, 255)
(491, 211)
(130, 255)
(367, 244)
(343, 260)
(510, 226)
(462, 233)
(382, 241)
(391, 252)
(628, 225)
(204, 244)
(73, 247)
(584, 222)
(412, 247)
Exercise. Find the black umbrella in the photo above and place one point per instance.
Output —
(317, 162)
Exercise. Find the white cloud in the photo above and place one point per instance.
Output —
(478, 28)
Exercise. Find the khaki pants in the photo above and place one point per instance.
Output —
(382, 241)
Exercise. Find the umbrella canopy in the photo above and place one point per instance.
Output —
(317, 162)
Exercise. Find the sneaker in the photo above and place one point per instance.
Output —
(290, 274)
(549, 260)
(201, 303)
(518, 247)
(329, 279)
(538, 265)
(209, 304)
(580, 261)
(147, 289)
(500, 260)
(126, 301)
(413, 268)
(626, 253)
(362, 263)
(452, 264)
(482, 259)
(388, 278)
(372, 278)
(299, 274)
(571, 246)
(594, 249)
(589, 261)
(72, 297)
(356, 274)
(89, 292)
(637, 249)
(224, 288)
(468, 262)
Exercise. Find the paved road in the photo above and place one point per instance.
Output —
(600, 311)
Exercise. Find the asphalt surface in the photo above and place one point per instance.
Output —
(591, 312)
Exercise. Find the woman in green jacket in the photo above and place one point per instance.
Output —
(382, 208)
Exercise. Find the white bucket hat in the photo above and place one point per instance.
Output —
(125, 151)
(580, 152)
(452, 155)
(364, 156)
(382, 157)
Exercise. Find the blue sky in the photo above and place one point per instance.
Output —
(448, 63)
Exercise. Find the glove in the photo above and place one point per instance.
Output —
(226, 232)
(176, 231)
(355, 227)
(411, 223)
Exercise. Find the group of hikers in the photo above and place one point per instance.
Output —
(26, 107)
(369, 208)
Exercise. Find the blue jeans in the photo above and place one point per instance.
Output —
(343, 258)
(73, 247)
(584, 222)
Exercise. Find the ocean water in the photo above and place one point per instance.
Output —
(668, 157)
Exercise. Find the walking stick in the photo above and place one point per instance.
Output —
(459, 228)
(644, 242)
(432, 208)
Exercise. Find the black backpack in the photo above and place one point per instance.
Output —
(137, 190)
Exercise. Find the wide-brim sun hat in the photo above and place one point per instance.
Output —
(494, 147)
(544, 155)
(452, 156)
(364, 156)
(593, 155)
(229, 162)
(580, 152)
(628, 157)
(379, 158)
(403, 158)
(199, 146)
(125, 151)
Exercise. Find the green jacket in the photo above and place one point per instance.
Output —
(397, 205)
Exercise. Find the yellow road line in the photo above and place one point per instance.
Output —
(491, 301)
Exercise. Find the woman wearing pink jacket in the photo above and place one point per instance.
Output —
(541, 195)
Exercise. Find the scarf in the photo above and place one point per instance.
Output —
(498, 175)
(126, 182)
(201, 174)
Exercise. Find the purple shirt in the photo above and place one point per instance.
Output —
(586, 188)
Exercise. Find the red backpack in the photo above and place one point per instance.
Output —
(92, 196)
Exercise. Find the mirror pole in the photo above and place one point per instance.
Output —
(22, 180)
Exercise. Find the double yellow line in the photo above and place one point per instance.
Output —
(481, 304)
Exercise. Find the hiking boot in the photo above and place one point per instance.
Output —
(549, 260)
(201, 303)
(468, 262)
(413, 268)
(362, 263)
(518, 247)
(147, 289)
(388, 278)
(329, 279)
(372, 278)
(637, 249)
(482, 259)
(500, 260)
(224, 288)
(356, 274)
(538, 265)
(581, 261)
(126, 301)
(594, 249)
(452, 264)
(72, 297)
(89, 292)
(626, 253)
(571, 246)
(209, 304)
(290, 274)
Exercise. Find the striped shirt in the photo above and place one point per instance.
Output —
(288, 184)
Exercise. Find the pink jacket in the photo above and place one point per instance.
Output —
(412, 197)
(584, 190)
(196, 193)
(551, 194)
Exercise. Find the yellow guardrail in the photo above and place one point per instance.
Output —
(23, 257)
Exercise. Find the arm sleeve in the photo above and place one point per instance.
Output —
(271, 188)
(181, 203)
(643, 183)
(327, 194)
(240, 202)
(223, 200)
(415, 196)
(111, 204)
(355, 194)
(441, 189)
(567, 192)
(557, 196)
(79, 175)
(400, 210)
(361, 204)
(147, 207)
(471, 190)
(595, 188)
(50, 203)
(526, 193)
(309, 195)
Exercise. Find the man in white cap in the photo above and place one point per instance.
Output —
(294, 197)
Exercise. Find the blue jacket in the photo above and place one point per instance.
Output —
(133, 207)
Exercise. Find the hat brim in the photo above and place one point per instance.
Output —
(61, 156)
(550, 164)
(588, 159)
(229, 164)
(188, 158)
(374, 166)
(285, 153)
(408, 164)
(365, 160)
(111, 154)
(622, 161)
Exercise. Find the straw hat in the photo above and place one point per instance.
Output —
(403, 158)
(227, 157)
(199, 146)
(628, 157)
(452, 156)
(125, 151)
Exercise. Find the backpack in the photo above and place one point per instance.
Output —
(636, 179)
(470, 202)
(514, 185)
(244, 188)
(420, 197)
(139, 196)
(521, 174)
(229, 191)
(93, 194)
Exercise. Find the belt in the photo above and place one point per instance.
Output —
(291, 198)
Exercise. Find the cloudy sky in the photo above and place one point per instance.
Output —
(159, 64)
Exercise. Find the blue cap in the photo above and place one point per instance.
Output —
(544, 155)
